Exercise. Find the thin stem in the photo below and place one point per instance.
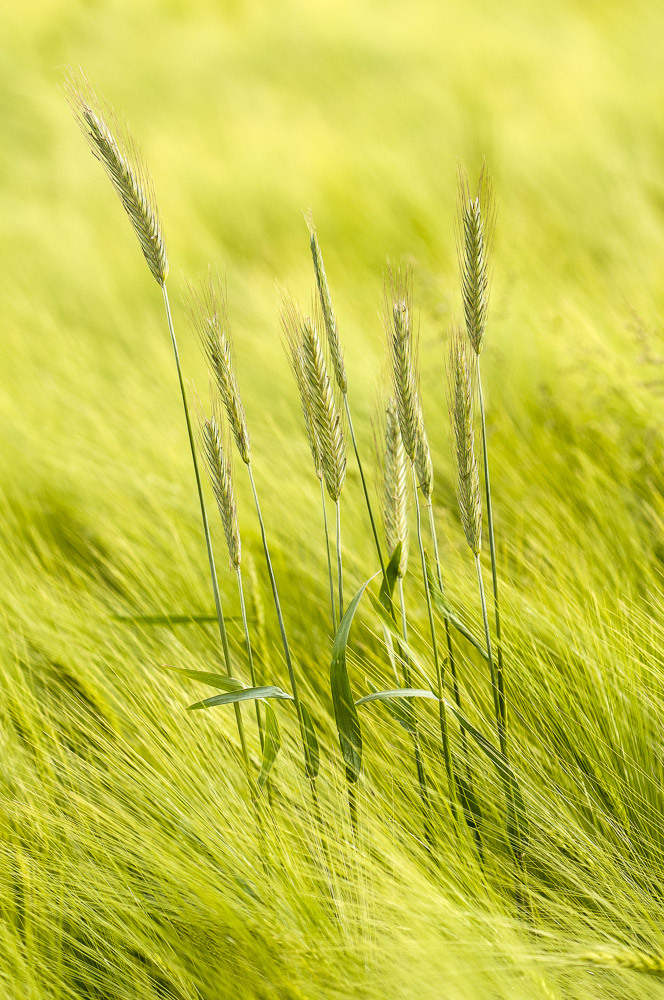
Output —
(492, 549)
(448, 635)
(250, 655)
(340, 576)
(419, 766)
(434, 645)
(487, 636)
(208, 541)
(329, 558)
(284, 640)
(364, 485)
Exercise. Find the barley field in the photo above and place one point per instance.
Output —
(400, 249)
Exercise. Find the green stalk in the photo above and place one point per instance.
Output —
(208, 542)
(340, 577)
(364, 485)
(329, 558)
(284, 641)
(494, 686)
(447, 756)
(448, 636)
(419, 766)
(250, 655)
(492, 549)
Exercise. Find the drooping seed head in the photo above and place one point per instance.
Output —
(209, 314)
(332, 333)
(397, 320)
(116, 149)
(292, 323)
(217, 452)
(475, 228)
(423, 462)
(395, 488)
(324, 409)
(460, 395)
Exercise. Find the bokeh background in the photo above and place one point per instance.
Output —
(248, 113)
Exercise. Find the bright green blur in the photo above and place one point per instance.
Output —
(129, 865)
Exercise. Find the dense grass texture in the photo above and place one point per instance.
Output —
(135, 859)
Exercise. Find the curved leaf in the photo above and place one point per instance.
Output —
(389, 581)
(222, 681)
(345, 713)
(313, 752)
(517, 821)
(246, 694)
(271, 745)
(398, 710)
(397, 693)
(444, 609)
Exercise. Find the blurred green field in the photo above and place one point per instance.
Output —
(128, 866)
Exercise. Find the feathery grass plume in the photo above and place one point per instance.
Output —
(395, 487)
(639, 961)
(209, 314)
(460, 400)
(326, 305)
(293, 326)
(292, 323)
(220, 471)
(326, 416)
(475, 229)
(397, 318)
(116, 149)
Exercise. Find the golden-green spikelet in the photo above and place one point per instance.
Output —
(293, 326)
(116, 149)
(217, 451)
(330, 320)
(395, 488)
(639, 961)
(209, 315)
(460, 401)
(475, 226)
(324, 410)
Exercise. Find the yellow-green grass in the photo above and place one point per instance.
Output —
(128, 862)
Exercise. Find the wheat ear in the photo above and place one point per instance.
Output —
(113, 145)
(116, 149)
(476, 218)
(639, 961)
(339, 366)
(293, 325)
(395, 488)
(397, 319)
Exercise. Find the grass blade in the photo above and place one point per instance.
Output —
(313, 765)
(222, 681)
(271, 745)
(245, 694)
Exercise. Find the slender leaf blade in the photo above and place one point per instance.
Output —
(222, 681)
(313, 761)
(397, 693)
(271, 745)
(246, 694)
(345, 712)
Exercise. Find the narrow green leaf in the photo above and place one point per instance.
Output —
(399, 710)
(517, 821)
(271, 745)
(389, 581)
(397, 693)
(246, 694)
(394, 631)
(345, 713)
(222, 681)
(171, 619)
(313, 763)
(443, 608)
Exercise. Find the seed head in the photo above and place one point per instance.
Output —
(460, 397)
(217, 451)
(395, 487)
(209, 314)
(330, 321)
(326, 418)
(397, 320)
(475, 228)
(116, 149)
(292, 323)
